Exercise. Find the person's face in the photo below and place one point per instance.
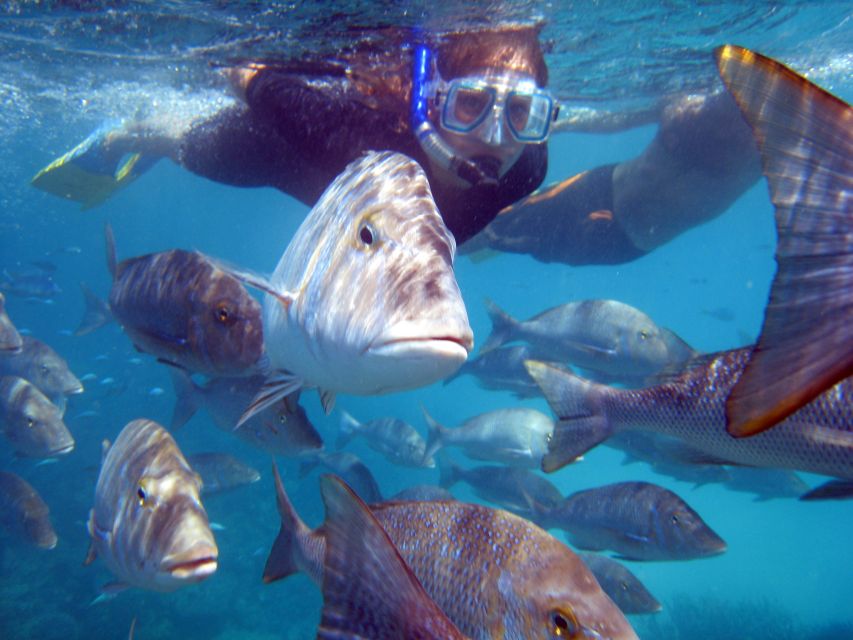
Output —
(491, 137)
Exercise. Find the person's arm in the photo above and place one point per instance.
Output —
(701, 160)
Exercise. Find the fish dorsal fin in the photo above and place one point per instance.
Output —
(327, 399)
(368, 589)
(805, 138)
(275, 387)
(110, 240)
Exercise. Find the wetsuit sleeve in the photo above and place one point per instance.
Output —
(570, 222)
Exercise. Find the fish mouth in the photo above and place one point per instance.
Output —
(74, 390)
(398, 342)
(197, 568)
(68, 448)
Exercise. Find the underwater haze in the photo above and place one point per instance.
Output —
(67, 67)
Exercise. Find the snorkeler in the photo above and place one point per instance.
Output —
(473, 109)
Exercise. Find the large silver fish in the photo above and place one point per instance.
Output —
(183, 308)
(30, 422)
(495, 575)
(23, 512)
(638, 520)
(10, 339)
(394, 438)
(691, 407)
(148, 523)
(606, 337)
(43, 367)
(517, 436)
(501, 369)
(282, 429)
(364, 299)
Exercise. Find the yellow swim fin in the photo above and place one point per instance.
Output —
(87, 174)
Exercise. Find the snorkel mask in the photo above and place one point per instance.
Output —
(476, 106)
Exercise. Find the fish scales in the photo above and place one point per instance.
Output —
(817, 438)
(148, 523)
(494, 574)
(24, 513)
(168, 304)
(365, 300)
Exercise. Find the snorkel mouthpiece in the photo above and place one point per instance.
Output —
(430, 140)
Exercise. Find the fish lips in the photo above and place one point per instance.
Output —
(201, 563)
(415, 340)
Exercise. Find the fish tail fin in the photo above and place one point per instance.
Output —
(503, 327)
(582, 423)
(278, 385)
(449, 473)
(187, 398)
(96, 315)
(348, 430)
(110, 240)
(435, 440)
(282, 560)
(366, 583)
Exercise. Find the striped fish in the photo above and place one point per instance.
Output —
(364, 299)
(148, 523)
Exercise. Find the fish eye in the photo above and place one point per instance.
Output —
(140, 492)
(282, 418)
(223, 313)
(30, 422)
(674, 518)
(564, 624)
(644, 335)
(623, 586)
(366, 234)
(44, 368)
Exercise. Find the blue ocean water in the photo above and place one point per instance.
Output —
(66, 67)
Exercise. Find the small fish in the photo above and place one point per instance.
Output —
(501, 369)
(23, 513)
(518, 490)
(282, 429)
(421, 492)
(395, 439)
(148, 523)
(691, 407)
(221, 471)
(43, 367)
(108, 381)
(35, 284)
(493, 574)
(31, 423)
(517, 437)
(182, 308)
(71, 250)
(623, 587)
(349, 467)
(156, 391)
(669, 457)
(134, 360)
(10, 339)
(215, 526)
(637, 520)
(364, 299)
(606, 337)
(766, 484)
(88, 377)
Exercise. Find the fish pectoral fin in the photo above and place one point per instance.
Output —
(832, 490)
(253, 279)
(91, 554)
(114, 587)
(277, 386)
(327, 399)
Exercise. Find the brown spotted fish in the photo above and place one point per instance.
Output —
(493, 574)
(148, 523)
(23, 512)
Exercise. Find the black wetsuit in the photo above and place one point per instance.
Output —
(298, 132)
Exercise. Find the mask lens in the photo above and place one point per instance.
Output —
(466, 107)
(529, 115)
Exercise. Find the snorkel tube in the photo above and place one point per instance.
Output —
(430, 140)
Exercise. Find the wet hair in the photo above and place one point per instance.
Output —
(515, 48)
